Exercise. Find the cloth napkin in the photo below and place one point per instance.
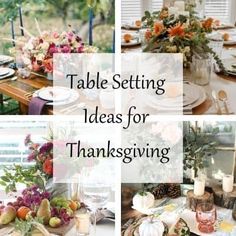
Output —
(36, 106)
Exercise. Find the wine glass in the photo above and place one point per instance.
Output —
(206, 217)
(95, 189)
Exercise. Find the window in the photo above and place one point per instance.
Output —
(219, 9)
(12, 148)
(157, 5)
(131, 9)
(134, 9)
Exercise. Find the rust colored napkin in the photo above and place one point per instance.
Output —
(36, 106)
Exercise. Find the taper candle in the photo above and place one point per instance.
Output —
(12, 33)
(21, 21)
(199, 186)
(228, 183)
(90, 26)
(114, 42)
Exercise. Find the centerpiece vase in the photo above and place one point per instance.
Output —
(201, 68)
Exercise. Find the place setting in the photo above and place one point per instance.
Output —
(50, 96)
(130, 39)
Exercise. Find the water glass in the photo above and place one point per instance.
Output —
(82, 224)
(201, 70)
(206, 217)
(142, 35)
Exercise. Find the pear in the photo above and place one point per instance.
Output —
(8, 214)
(44, 211)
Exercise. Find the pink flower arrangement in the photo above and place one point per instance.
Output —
(37, 52)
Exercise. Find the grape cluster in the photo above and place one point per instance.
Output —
(62, 214)
(31, 197)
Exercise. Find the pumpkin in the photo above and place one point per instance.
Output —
(143, 200)
(151, 227)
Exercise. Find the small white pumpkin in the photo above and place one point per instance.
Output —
(143, 200)
(151, 227)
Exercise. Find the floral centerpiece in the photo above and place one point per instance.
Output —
(36, 52)
(169, 33)
(36, 206)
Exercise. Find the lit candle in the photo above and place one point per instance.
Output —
(12, 33)
(82, 222)
(199, 186)
(21, 21)
(180, 5)
(90, 26)
(228, 183)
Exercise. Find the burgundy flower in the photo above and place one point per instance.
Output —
(47, 147)
(31, 156)
(52, 49)
(66, 49)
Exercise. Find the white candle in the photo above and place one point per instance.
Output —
(82, 222)
(184, 13)
(180, 5)
(199, 186)
(228, 183)
(172, 10)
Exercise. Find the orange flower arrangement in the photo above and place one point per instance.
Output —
(158, 28)
(177, 30)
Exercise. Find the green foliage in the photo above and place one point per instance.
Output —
(62, 8)
(197, 147)
(19, 174)
(26, 227)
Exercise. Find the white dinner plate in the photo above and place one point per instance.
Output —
(133, 42)
(228, 66)
(54, 94)
(5, 59)
(9, 74)
(191, 94)
(131, 27)
(3, 71)
(198, 90)
(74, 95)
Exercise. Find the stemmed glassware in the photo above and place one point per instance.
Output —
(95, 190)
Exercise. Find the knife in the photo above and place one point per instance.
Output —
(217, 104)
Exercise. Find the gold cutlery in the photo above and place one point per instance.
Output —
(223, 97)
(217, 104)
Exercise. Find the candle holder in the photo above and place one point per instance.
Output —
(82, 223)
(206, 217)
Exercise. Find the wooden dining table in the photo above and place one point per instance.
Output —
(218, 81)
(21, 90)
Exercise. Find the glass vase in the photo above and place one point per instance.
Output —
(201, 69)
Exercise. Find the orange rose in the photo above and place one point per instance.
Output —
(177, 30)
(158, 28)
(207, 24)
